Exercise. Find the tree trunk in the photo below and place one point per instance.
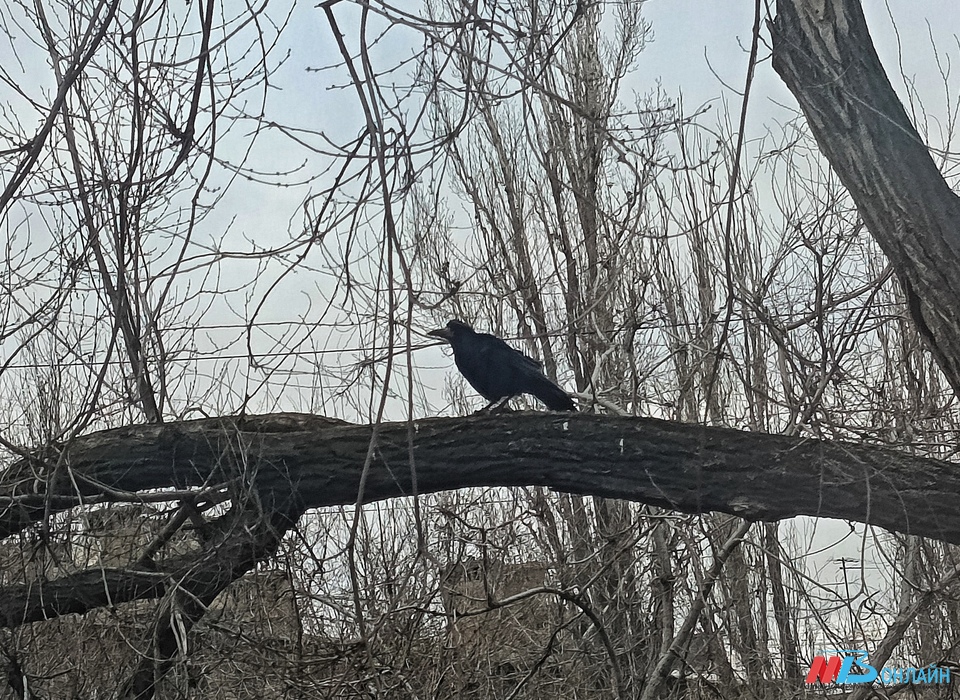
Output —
(823, 52)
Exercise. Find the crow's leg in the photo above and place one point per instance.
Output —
(501, 405)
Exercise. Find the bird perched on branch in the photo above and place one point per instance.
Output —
(497, 371)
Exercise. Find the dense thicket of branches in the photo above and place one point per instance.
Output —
(742, 349)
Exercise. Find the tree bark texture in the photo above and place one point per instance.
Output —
(293, 462)
(823, 52)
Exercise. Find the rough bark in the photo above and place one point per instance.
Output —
(823, 52)
(295, 462)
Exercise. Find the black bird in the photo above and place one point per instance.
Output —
(497, 371)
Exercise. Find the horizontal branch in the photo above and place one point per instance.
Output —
(679, 466)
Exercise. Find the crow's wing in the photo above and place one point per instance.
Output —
(523, 375)
(494, 347)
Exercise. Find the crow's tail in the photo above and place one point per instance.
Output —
(554, 397)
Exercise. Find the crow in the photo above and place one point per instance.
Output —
(497, 371)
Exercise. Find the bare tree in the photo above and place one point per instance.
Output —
(659, 261)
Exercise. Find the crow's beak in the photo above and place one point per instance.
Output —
(442, 333)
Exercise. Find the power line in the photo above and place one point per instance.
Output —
(398, 350)
(201, 357)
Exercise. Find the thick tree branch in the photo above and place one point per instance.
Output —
(679, 466)
(824, 54)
